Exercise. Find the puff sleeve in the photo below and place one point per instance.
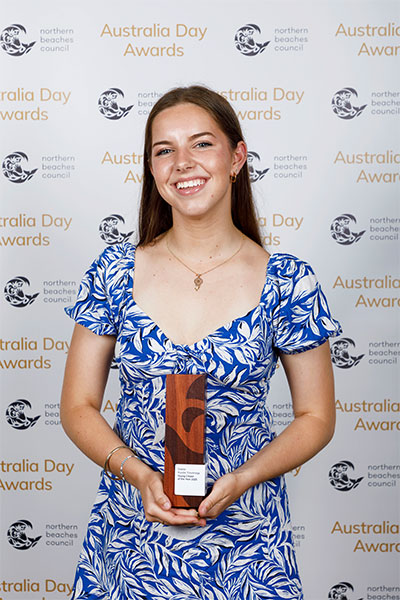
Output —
(100, 293)
(301, 319)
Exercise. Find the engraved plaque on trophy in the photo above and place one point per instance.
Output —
(184, 473)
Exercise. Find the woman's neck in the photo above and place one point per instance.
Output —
(199, 241)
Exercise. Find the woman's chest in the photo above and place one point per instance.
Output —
(235, 354)
(189, 306)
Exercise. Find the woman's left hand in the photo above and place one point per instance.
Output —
(224, 492)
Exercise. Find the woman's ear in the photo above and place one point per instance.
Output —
(239, 156)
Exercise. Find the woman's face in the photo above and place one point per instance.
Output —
(191, 160)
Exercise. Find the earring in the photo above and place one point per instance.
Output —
(233, 177)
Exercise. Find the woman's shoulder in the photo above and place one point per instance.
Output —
(297, 306)
(117, 252)
(113, 264)
(288, 277)
(288, 266)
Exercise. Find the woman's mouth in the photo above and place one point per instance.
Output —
(190, 185)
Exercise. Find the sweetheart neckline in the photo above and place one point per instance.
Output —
(212, 333)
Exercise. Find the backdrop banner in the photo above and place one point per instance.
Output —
(317, 91)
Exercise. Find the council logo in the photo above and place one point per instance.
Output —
(341, 354)
(15, 294)
(245, 42)
(109, 107)
(13, 168)
(16, 417)
(342, 104)
(340, 591)
(10, 42)
(339, 477)
(17, 535)
(341, 232)
(109, 230)
(253, 160)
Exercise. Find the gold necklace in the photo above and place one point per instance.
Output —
(198, 279)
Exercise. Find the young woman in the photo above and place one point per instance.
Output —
(198, 294)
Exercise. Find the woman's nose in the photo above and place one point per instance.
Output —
(183, 160)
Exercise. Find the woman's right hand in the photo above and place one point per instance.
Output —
(156, 504)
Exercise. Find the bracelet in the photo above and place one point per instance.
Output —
(106, 469)
(121, 469)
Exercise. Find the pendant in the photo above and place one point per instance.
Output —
(197, 282)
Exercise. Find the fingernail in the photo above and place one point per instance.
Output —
(166, 506)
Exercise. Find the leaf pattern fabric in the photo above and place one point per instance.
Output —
(247, 552)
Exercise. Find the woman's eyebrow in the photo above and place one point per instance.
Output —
(197, 135)
(192, 137)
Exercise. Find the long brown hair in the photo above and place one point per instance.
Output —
(155, 215)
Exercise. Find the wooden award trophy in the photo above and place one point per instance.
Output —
(184, 472)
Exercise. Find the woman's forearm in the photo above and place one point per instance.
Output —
(310, 379)
(86, 374)
(298, 443)
(301, 440)
(91, 433)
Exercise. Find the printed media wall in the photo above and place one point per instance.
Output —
(316, 88)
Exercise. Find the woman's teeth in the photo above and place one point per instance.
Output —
(188, 184)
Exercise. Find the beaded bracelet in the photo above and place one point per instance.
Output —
(107, 469)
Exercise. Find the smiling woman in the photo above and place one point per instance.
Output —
(190, 163)
(198, 294)
(155, 214)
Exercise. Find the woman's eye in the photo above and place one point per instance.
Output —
(204, 144)
(163, 151)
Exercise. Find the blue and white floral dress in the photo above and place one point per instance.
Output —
(247, 552)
